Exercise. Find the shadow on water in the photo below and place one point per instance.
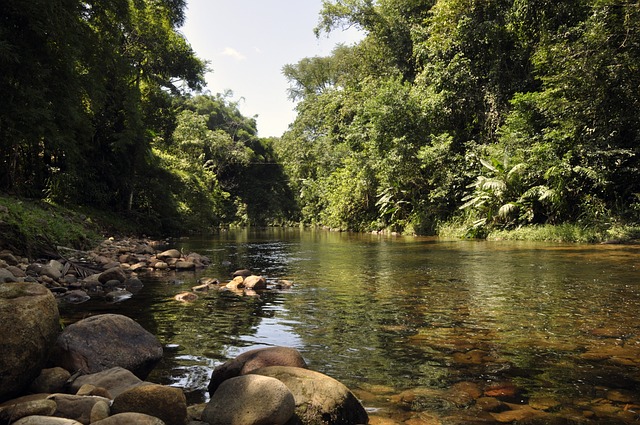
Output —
(387, 315)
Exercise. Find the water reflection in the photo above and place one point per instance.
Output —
(388, 314)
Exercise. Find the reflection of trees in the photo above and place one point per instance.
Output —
(401, 312)
(362, 298)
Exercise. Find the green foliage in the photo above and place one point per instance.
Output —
(35, 228)
(514, 112)
(496, 114)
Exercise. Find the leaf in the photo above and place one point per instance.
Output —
(494, 184)
(517, 169)
(508, 209)
(488, 165)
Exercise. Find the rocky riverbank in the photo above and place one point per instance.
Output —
(94, 370)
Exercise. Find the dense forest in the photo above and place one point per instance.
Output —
(489, 114)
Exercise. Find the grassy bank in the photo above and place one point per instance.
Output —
(34, 228)
(568, 232)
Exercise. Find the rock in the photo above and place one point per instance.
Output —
(284, 284)
(503, 391)
(51, 271)
(161, 265)
(130, 419)
(45, 420)
(117, 296)
(99, 411)
(490, 404)
(112, 284)
(250, 399)
(115, 380)
(463, 394)
(16, 271)
(138, 267)
(31, 312)
(211, 281)
(166, 403)
(76, 407)
(202, 288)
(518, 414)
(9, 258)
(104, 341)
(236, 283)
(319, 398)
(255, 282)
(76, 296)
(133, 284)
(242, 272)
(114, 273)
(185, 265)
(111, 265)
(622, 396)
(56, 265)
(186, 297)
(50, 380)
(544, 402)
(6, 276)
(255, 359)
(12, 412)
(170, 253)
(88, 389)
(200, 260)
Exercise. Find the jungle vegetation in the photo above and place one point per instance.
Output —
(491, 114)
(488, 114)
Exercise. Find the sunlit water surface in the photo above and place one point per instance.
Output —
(384, 314)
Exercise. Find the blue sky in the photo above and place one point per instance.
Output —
(247, 42)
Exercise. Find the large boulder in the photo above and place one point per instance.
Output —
(166, 403)
(250, 400)
(255, 359)
(104, 341)
(320, 399)
(29, 314)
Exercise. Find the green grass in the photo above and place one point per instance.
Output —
(33, 227)
(568, 232)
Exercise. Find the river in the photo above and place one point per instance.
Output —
(391, 315)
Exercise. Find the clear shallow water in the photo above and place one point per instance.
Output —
(388, 314)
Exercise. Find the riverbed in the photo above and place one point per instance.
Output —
(387, 315)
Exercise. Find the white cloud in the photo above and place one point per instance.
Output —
(233, 53)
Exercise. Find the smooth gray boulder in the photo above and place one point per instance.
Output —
(104, 341)
(320, 399)
(250, 400)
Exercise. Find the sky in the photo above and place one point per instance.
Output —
(247, 42)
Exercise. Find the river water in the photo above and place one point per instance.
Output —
(402, 320)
